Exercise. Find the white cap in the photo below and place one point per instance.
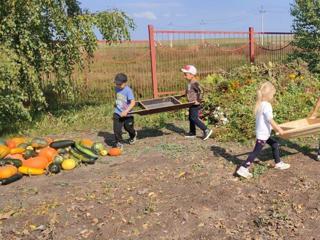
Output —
(189, 69)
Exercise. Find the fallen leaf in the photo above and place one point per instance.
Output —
(6, 215)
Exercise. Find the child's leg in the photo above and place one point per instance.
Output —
(192, 124)
(129, 126)
(275, 149)
(257, 149)
(117, 127)
(194, 116)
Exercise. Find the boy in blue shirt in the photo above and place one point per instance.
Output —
(124, 104)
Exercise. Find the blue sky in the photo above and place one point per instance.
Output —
(227, 15)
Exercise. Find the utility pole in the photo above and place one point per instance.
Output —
(262, 11)
(202, 23)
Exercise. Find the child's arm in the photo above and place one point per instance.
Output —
(315, 110)
(276, 127)
(130, 107)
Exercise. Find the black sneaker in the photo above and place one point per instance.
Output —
(190, 135)
(206, 134)
(134, 139)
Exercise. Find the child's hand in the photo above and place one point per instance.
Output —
(280, 131)
(313, 116)
(124, 114)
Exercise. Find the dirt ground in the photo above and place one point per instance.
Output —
(167, 187)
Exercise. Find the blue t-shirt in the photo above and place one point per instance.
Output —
(123, 99)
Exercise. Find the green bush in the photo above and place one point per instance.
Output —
(235, 94)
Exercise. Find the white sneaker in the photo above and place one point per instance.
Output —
(318, 157)
(244, 172)
(282, 166)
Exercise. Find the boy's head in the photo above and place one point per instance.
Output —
(189, 71)
(120, 80)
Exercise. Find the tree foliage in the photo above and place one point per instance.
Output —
(42, 37)
(306, 26)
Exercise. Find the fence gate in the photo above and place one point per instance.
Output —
(209, 51)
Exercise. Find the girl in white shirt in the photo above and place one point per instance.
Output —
(264, 125)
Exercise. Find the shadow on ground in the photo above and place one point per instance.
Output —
(142, 133)
(266, 153)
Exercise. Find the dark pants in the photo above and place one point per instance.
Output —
(257, 149)
(195, 120)
(119, 123)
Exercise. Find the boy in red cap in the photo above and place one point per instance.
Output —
(194, 94)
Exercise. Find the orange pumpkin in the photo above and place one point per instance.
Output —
(86, 142)
(39, 162)
(48, 153)
(4, 151)
(114, 152)
(11, 144)
(18, 140)
(7, 171)
(16, 156)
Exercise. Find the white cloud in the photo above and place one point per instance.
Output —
(147, 15)
(153, 5)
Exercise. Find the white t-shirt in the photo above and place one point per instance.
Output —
(263, 117)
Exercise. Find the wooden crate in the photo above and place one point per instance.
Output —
(160, 105)
(300, 128)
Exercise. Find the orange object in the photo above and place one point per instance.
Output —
(114, 152)
(16, 156)
(86, 142)
(38, 162)
(17, 150)
(49, 153)
(4, 151)
(11, 144)
(7, 171)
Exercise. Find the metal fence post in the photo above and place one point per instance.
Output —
(153, 61)
(251, 44)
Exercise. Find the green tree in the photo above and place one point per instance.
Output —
(47, 37)
(306, 26)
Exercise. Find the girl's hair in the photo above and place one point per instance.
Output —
(266, 92)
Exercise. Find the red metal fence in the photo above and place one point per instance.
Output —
(209, 51)
(153, 66)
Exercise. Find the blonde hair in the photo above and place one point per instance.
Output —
(266, 92)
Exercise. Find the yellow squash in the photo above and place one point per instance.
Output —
(30, 171)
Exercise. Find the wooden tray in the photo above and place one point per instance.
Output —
(300, 128)
(160, 105)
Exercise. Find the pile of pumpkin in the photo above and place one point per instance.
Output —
(23, 156)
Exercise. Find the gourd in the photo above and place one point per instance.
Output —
(11, 179)
(54, 168)
(29, 153)
(62, 144)
(30, 171)
(4, 151)
(48, 153)
(68, 164)
(7, 171)
(16, 156)
(39, 142)
(99, 148)
(87, 143)
(15, 162)
(58, 159)
(114, 152)
(36, 162)
(17, 150)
